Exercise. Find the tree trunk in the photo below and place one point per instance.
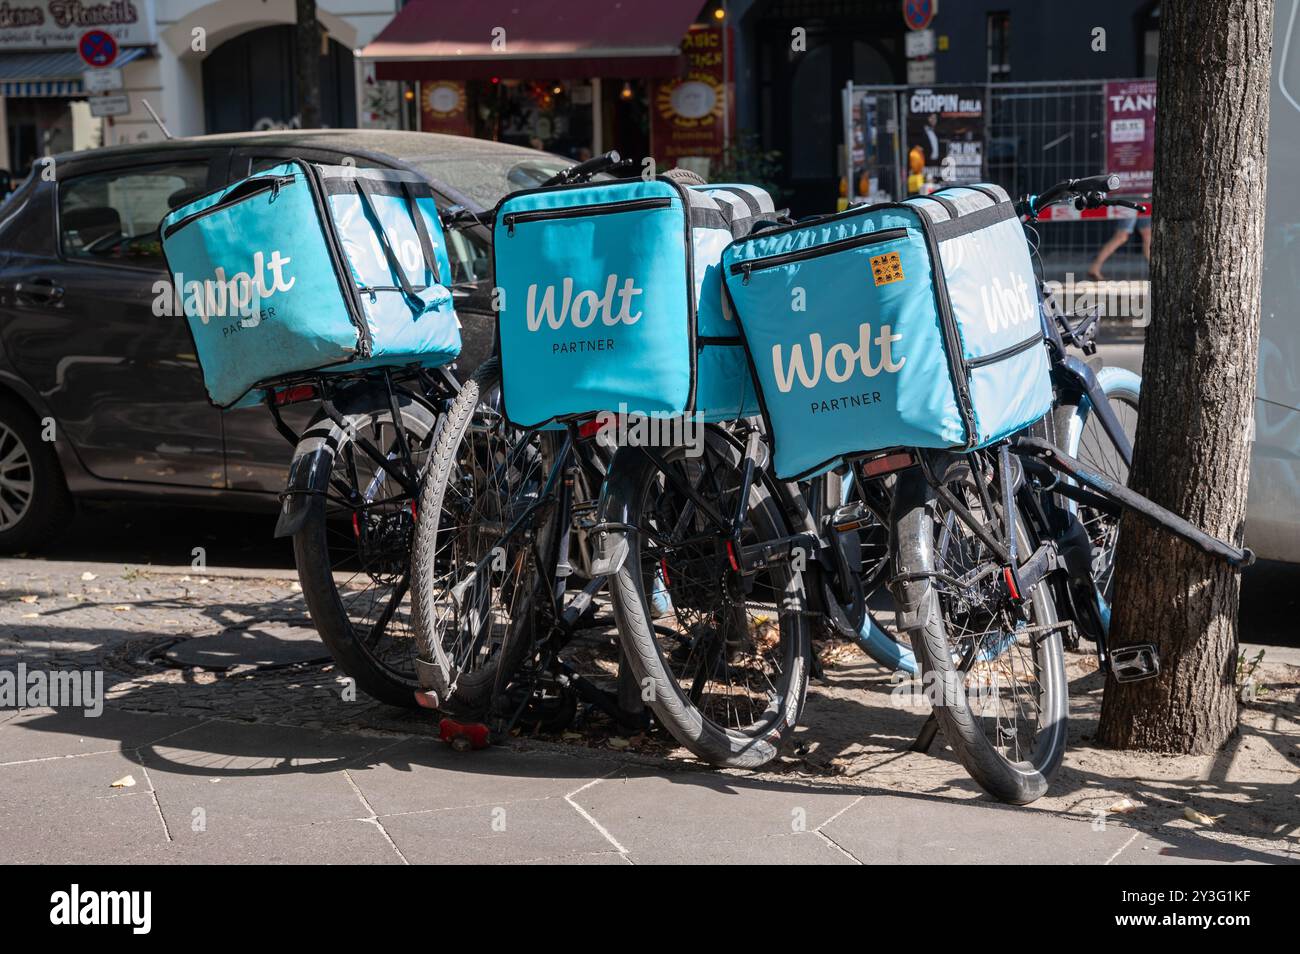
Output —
(308, 65)
(1196, 415)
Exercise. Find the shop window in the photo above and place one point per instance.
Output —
(113, 217)
(999, 45)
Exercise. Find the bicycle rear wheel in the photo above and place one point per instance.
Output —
(722, 657)
(997, 682)
(353, 550)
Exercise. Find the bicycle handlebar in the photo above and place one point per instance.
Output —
(585, 170)
(1092, 186)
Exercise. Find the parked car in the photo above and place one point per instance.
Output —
(101, 398)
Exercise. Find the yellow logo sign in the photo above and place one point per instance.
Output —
(886, 268)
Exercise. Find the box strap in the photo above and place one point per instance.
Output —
(422, 229)
(413, 300)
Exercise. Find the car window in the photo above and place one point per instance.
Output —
(486, 178)
(113, 216)
(470, 254)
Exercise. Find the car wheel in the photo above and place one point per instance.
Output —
(34, 500)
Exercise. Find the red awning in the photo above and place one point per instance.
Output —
(564, 39)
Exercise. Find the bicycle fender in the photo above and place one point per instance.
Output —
(308, 475)
(313, 456)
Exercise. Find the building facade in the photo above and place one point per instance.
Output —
(794, 57)
(204, 67)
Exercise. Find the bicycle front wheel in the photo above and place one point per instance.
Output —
(997, 682)
(721, 655)
(473, 571)
(1086, 440)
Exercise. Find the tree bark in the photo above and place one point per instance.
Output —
(308, 50)
(1196, 415)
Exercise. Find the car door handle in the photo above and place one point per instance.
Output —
(40, 291)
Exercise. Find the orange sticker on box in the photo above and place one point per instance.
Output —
(886, 268)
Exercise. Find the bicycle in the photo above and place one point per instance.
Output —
(349, 507)
(503, 515)
(979, 560)
(980, 543)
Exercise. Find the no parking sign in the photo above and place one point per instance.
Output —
(918, 13)
(97, 49)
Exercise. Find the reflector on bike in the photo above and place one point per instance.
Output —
(609, 299)
(305, 267)
(909, 324)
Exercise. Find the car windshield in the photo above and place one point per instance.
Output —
(486, 178)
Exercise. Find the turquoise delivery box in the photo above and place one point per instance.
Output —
(913, 324)
(308, 268)
(610, 299)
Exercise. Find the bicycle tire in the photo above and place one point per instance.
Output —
(916, 516)
(749, 746)
(1124, 387)
(329, 611)
(446, 675)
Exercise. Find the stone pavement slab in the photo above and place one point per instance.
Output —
(511, 832)
(267, 793)
(423, 774)
(705, 817)
(63, 810)
(239, 778)
(353, 841)
(50, 733)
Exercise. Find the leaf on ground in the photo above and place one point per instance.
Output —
(1199, 818)
(123, 608)
(30, 598)
(617, 743)
(88, 576)
(572, 736)
(126, 781)
(1122, 807)
(31, 615)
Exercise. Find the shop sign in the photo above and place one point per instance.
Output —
(61, 24)
(689, 113)
(443, 108)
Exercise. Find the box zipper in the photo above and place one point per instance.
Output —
(583, 211)
(815, 251)
(1005, 353)
(235, 196)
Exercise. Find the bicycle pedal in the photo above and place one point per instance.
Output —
(464, 736)
(1135, 663)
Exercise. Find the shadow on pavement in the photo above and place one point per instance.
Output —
(166, 535)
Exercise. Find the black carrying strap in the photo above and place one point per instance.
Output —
(409, 292)
(422, 229)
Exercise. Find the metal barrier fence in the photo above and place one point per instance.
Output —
(1034, 134)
